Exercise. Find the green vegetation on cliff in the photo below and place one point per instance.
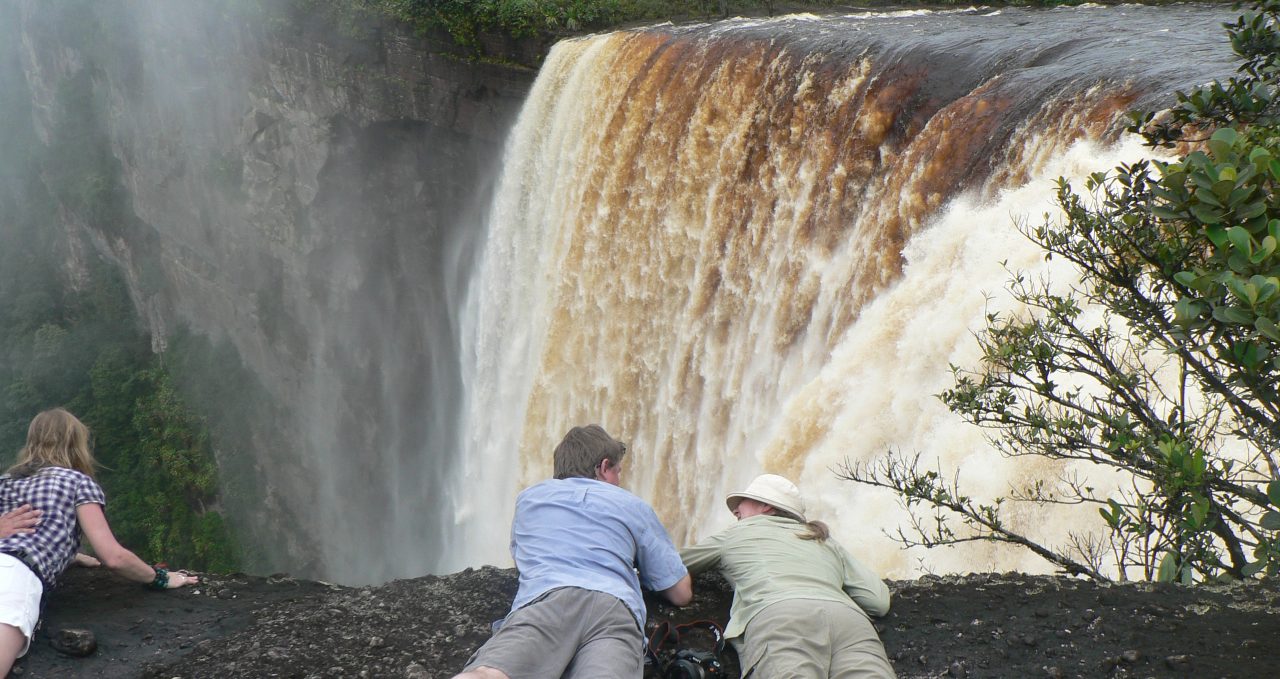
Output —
(1159, 367)
(69, 335)
(467, 20)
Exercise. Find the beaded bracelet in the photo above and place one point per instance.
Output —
(161, 581)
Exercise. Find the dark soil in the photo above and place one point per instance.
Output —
(1007, 625)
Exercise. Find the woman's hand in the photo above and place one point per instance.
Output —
(85, 560)
(182, 579)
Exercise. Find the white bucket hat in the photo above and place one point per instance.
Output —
(773, 490)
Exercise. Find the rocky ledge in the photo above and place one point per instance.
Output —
(985, 625)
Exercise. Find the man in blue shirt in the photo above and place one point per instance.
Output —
(584, 547)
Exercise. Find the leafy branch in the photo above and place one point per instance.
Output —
(1160, 365)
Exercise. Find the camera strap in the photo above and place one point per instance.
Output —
(666, 633)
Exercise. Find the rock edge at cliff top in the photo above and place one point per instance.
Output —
(986, 625)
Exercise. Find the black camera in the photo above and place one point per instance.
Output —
(689, 664)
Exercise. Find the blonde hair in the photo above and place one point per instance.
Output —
(56, 438)
(818, 531)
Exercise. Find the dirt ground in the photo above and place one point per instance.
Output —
(1008, 625)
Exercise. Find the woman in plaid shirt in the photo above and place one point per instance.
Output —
(54, 475)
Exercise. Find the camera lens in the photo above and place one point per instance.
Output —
(685, 669)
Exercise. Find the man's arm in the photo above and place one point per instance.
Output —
(657, 561)
(680, 593)
(18, 521)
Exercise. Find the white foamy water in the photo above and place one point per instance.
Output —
(741, 254)
(878, 391)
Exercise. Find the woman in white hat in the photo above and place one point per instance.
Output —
(801, 603)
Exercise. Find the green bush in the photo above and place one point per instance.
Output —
(467, 20)
(68, 332)
(1181, 258)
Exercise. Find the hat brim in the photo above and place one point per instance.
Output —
(734, 499)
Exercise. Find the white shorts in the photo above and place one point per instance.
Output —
(20, 592)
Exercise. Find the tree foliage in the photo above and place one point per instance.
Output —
(69, 335)
(1161, 365)
(466, 21)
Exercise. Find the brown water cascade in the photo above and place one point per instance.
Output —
(757, 246)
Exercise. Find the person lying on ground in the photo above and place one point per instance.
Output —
(55, 475)
(584, 548)
(800, 601)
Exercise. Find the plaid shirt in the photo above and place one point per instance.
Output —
(56, 491)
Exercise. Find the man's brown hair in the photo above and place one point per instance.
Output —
(583, 448)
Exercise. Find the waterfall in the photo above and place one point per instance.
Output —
(757, 245)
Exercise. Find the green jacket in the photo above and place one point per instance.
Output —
(765, 560)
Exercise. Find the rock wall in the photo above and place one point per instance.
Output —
(309, 194)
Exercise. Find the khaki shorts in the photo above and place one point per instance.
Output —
(20, 592)
(806, 638)
(568, 632)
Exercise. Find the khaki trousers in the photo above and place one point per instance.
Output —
(812, 639)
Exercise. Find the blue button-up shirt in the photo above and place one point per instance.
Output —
(586, 533)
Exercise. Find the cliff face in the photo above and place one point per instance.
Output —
(311, 196)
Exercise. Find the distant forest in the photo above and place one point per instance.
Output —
(467, 20)
(70, 335)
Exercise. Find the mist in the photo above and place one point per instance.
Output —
(387, 298)
(289, 192)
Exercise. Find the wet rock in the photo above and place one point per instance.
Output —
(1131, 656)
(74, 642)
(1178, 663)
(416, 671)
(1054, 672)
(957, 670)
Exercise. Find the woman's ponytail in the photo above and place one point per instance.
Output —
(818, 531)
